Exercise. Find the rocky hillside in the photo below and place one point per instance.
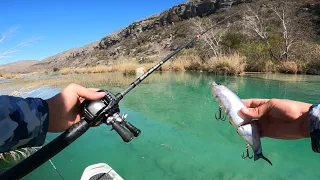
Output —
(115, 44)
(153, 37)
(17, 67)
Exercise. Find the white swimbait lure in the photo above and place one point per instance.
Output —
(231, 104)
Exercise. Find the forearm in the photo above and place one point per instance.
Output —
(23, 122)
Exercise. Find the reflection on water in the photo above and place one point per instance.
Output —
(287, 77)
(180, 138)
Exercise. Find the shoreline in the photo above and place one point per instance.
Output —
(18, 76)
(233, 64)
(118, 80)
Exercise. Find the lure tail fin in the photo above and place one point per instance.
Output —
(258, 156)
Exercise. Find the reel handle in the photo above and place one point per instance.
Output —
(126, 136)
(136, 132)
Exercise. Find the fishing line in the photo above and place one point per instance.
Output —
(54, 167)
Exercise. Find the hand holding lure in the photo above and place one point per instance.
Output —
(231, 104)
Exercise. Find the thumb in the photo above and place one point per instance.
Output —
(257, 112)
(90, 94)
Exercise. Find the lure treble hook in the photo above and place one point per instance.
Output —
(247, 155)
(221, 117)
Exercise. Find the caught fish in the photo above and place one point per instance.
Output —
(231, 104)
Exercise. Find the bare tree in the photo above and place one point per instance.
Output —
(256, 23)
(290, 26)
(213, 38)
(290, 32)
(14, 49)
(253, 22)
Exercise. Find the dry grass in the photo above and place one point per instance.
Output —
(230, 65)
(269, 66)
(126, 68)
(98, 69)
(288, 67)
(186, 62)
(233, 64)
(9, 76)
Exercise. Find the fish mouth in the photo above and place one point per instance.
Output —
(215, 88)
(213, 84)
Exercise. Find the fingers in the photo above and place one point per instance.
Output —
(256, 112)
(93, 89)
(86, 93)
(254, 102)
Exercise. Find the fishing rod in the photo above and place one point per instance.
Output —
(94, 113)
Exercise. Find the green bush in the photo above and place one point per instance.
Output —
(55, 69)
(232, 40)
(256, 54)
(182, 29)
(188, 52)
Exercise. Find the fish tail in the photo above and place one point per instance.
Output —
(258, 156)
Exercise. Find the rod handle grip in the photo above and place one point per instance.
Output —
(136, 132)
(126, 135)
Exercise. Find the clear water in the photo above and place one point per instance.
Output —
(180, 138)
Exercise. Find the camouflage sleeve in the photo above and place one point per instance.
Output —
(314, 117)
(23, 122)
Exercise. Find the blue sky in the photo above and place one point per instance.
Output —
(65, 24)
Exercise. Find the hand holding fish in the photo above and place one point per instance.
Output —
(279, 118)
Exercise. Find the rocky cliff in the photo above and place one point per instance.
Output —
(195, 8)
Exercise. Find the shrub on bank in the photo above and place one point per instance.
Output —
(231, 65)
(257, 56)
(288, 67)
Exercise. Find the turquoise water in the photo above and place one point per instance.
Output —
(180, 138)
